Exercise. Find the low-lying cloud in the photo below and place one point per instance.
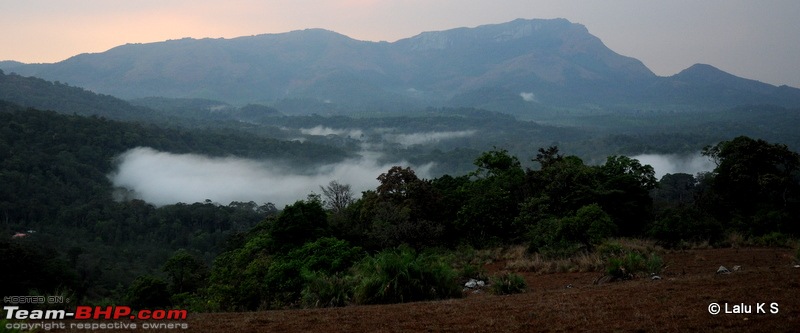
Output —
(664, 164)
(411, 139)
(163, 178)
(325, 131)
(528, 97)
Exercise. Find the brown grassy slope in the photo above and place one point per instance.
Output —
(677, 303)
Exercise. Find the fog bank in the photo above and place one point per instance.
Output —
(410, 139)
(163, 178)
(673, 163)
(320, 130)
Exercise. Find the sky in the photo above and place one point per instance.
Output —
(756, 39)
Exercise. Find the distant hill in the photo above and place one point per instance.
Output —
(519, 67)
(62, 98)
(56, 96)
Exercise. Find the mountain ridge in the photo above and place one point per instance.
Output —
(518, 67)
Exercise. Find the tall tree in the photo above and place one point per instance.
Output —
(492, 199)
(337, 196)
(186, 272)
(756, 185)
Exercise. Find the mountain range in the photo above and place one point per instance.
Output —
(519, 67)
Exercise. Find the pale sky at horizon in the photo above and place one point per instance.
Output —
(754, 39)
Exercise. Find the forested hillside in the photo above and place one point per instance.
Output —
(56, 193)
(46, 95)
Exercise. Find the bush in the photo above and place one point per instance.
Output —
(611, 249)
(564, 237)
(327, 290)
(401, 275)
(616, 267)
(470, 271)
(633, 263)
(508, 283)
(329, 255)
(288, 276)
(773, 239)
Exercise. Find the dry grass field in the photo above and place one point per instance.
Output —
(569, 302)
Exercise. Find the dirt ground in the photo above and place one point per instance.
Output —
(569, 302)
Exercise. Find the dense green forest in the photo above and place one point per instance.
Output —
(66, 234)
(55, 190)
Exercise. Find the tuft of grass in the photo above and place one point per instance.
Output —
(508, 283)
(797, 255)
(634, 264)
(639, 245)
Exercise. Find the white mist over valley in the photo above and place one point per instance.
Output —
(163, 178)
(676, 163)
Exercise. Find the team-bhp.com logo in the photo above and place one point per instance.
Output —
(157, 318)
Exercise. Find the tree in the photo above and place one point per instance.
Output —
(337, 196)
(588, 227)
(396, 182)
(492, 199)
(548, 157)
(148, 292)
(755, 186)
(301, 222)
(403, 210)
(624, 193)
(675, 189)
(624, 166)
(562, 187)
(186, 272)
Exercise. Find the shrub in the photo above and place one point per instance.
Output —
(323, 290)
(633, 263)
(773, 239)
(590, 226)
(471, 271)
(401, 275)
(561, 250)
(611, 249)
(508, 283)
(616, 268)
(329, 255)
(563, 237)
